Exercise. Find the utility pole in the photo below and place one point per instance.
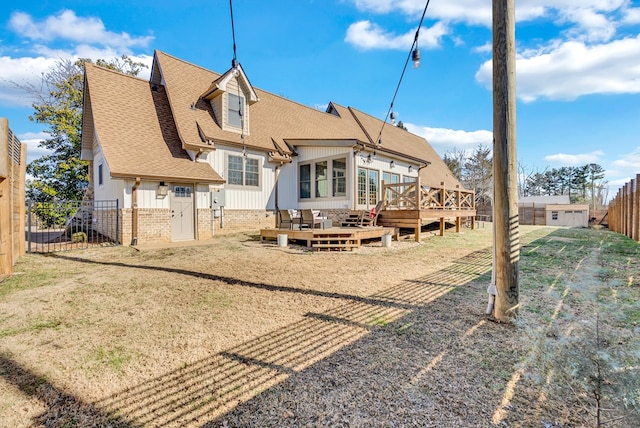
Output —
(505, 169)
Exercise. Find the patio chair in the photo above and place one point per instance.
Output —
(286, 222)
(307, 219)
(375, 212)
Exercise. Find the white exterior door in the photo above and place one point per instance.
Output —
(182, 213)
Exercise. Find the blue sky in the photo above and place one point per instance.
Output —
(578, 64)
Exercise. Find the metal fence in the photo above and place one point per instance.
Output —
(67, 225)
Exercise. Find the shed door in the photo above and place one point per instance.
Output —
(182, 213)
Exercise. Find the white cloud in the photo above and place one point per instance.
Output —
(630, 161)
(571, 69)
(67, 26)
(22, 71)
(632, 16)
(32, 140)
(486, 48)
(572, 160)
(28, 71)
(450, 138)
(368, 35)
(479, 12)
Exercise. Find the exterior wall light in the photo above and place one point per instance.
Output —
(163, 190)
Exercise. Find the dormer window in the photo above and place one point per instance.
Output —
(235, 107)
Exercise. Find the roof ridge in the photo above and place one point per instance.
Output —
(157, 51)
(119, 73)
(255, 87)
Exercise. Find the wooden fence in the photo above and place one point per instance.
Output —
(624, 210)
(13, 157)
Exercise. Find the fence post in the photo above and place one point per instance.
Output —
(29, 206)
(636, 212)
(117, 222)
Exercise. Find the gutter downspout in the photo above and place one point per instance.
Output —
(134, 206)
(277, 175)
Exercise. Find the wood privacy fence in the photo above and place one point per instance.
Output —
(624, 210)
(13, 157)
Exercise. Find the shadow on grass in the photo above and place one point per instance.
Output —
(63, 409)
(324, 366)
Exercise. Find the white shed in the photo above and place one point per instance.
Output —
(572, 215)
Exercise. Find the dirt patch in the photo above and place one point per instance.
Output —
(245, 333)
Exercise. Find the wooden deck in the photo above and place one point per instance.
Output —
(411, 205)
(333, 238)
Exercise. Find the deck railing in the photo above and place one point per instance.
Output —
(414, 196)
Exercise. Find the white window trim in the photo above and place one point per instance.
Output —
(312, 172)
(243, 186)
(100, 173)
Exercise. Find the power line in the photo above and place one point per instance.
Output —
(414, 54)
(233, 35)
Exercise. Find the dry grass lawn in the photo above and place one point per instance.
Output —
(243, 333)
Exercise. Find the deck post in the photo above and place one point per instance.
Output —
(418, 230)
(441, 226)
(458, 220)
(384, 195)
(418, 193)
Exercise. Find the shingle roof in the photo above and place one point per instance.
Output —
(399, 141)
(134, 126)
(272, 118)
(145, 132)
(275, 120)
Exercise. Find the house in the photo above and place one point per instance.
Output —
(191, 153)
(552, 211)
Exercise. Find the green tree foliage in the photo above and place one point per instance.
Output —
(576, 182)
(401, 125)
(61, 174)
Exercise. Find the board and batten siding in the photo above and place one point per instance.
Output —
(245, 197)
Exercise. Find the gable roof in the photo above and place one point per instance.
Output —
(278, 124)
(145, 128)
(401, 142)
(273, 119)
(133, 124)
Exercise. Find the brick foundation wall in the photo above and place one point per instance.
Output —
(204, 224)
(245, 220)
(154, 225)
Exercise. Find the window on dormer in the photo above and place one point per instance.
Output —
(235, 110)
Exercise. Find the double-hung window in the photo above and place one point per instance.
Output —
(235, 110)
(243, 171)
